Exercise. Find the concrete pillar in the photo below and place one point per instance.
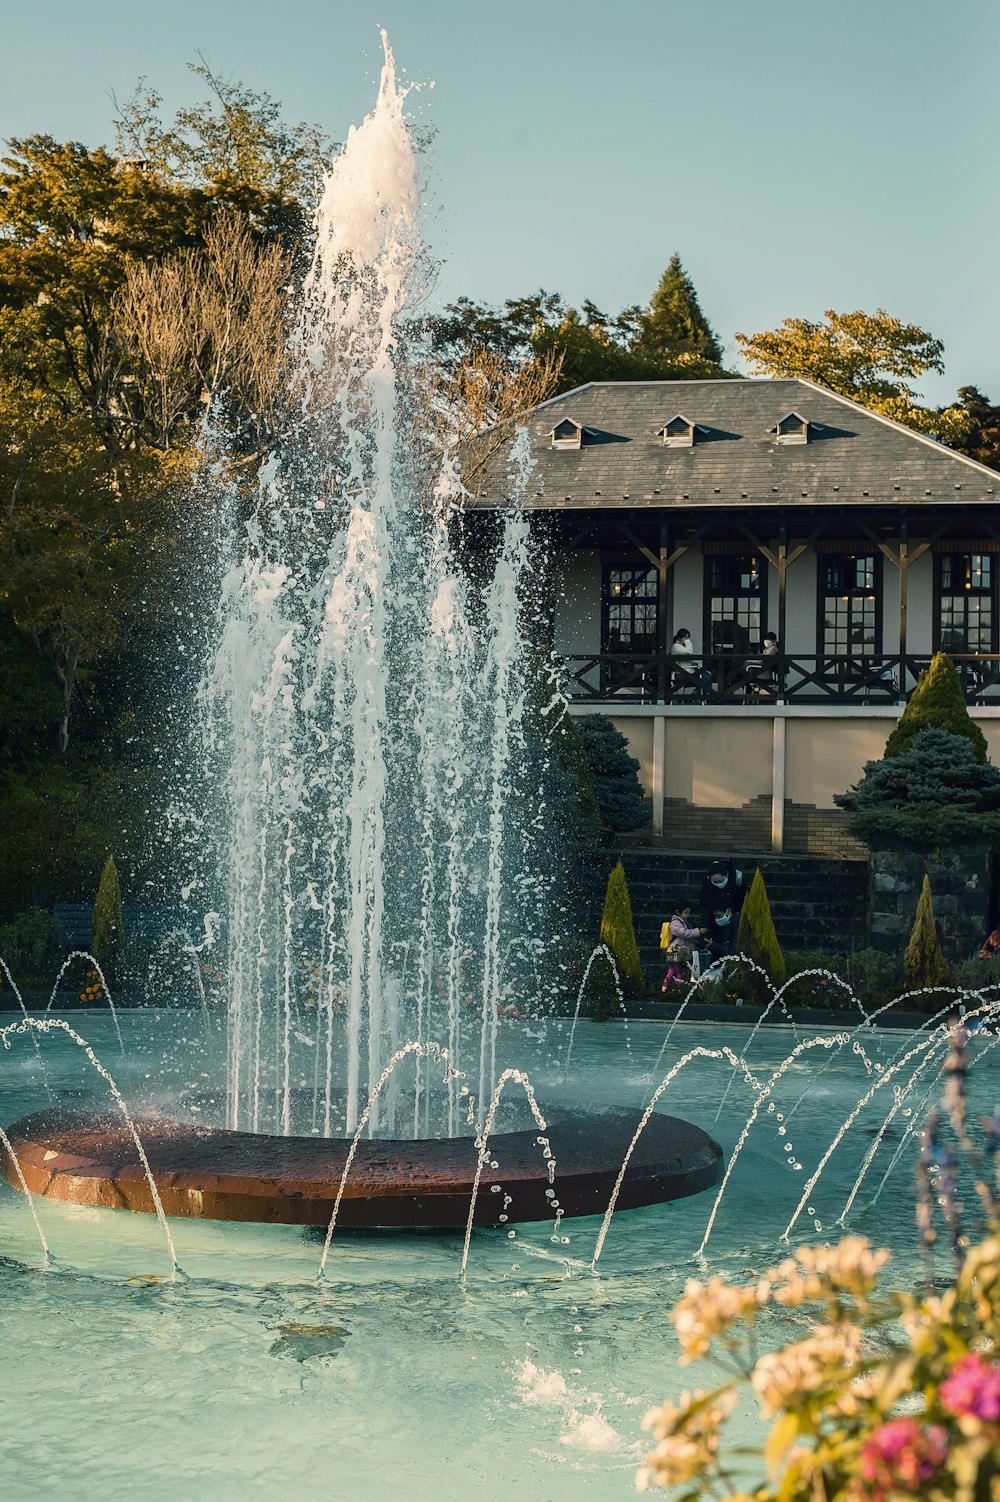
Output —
(659, 770)
(778, 785)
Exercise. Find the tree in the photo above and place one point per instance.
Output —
(107, 927)
(30, 703)
(670, 340)
(937, 703)
(616, 785)
(982, 439)
(935, 790)
(757, 939)
(869, 357)
(923, 962)
(618, 932)
(674, 327)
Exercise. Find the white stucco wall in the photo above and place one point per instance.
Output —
(578, 603)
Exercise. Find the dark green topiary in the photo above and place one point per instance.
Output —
(934, 792)
(618, 932)
(616, 785)
(108, 930)
(923, 962)
(757, 939)
(937, 703)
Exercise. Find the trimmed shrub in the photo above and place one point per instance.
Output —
(974, 974)
(937, 703)
(30, 943)
(815, 990)
(107, 927)
(934, 792)
(875, 976)
(618, 932)
(757, 939)
(923, 962)
(614, 774)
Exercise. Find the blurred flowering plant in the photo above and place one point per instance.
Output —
(891, 1396)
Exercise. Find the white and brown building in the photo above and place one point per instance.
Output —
(734, 508)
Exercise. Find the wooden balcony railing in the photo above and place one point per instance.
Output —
(790, 678)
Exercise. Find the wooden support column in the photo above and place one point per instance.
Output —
(782, 562)
(904, 563)
(662, 621)
(778, 784)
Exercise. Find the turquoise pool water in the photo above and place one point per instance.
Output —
(247, 1379)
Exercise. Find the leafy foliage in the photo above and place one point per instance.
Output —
(30, 943)
(937, 703)
(870, 357)
(982, 437)
(669, 340)
(936, 791)
(923, 962)
(618, 931)
(757, 938)
(614, 774)
(107, 926)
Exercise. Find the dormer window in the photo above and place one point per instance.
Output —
(567, 434)
(680, 432)
(791, 429)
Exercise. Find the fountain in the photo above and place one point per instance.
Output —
(372, 784)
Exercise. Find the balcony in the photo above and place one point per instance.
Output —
(789, 678)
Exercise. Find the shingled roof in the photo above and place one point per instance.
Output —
(853, 457)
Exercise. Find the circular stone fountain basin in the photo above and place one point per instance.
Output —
(214, 1174)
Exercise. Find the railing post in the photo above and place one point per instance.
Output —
(659, 770)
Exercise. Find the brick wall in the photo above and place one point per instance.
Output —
(808, 830)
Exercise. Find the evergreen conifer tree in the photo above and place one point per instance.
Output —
(613, 772)
(757, 938)
(618, 932)
(923, 963)
(937, 703)
(675, 328)
(107, 927)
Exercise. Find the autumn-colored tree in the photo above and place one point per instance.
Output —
(937, 703)
(982, 441)
(870, 357)
(618, 931)
(758, 940)
(923, 962)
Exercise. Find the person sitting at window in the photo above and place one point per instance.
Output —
(763, 674)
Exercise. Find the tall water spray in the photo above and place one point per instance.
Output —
(366, 703)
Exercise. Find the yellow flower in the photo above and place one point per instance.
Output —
(688, 1435)
(705, 1310)
(818, 1273)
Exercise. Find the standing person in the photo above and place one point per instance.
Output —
(681, 940)
(722, 894)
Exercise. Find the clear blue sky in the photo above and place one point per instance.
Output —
(799, 156)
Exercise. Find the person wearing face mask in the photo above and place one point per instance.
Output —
(722, 896)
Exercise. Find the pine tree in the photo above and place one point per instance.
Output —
(675, 329)
(107, 927)
(618, 932)
(613, 773)
(757, 938)
(937, 703)
(923, 963)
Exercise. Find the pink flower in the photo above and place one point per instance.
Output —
(901, 1455)
(973, 1388)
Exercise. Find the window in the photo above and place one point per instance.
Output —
(791, 429)
(735, 603)
(849, 596)
(630, 608)
(967, 615)
(567, 434)
(680, 432)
